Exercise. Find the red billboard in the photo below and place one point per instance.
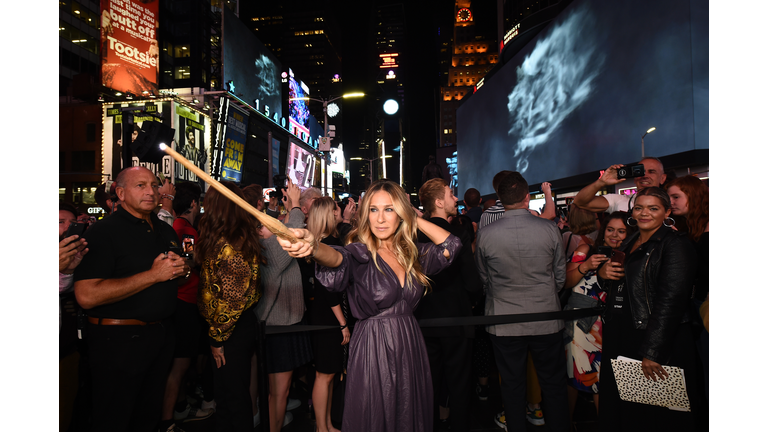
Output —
(129, 51)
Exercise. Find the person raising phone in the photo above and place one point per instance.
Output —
(583, 341)
(647, 315)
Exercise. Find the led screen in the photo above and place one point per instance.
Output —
(300, 166)
(580, 95)
(252, 69)
(298, 110)
(129, 50)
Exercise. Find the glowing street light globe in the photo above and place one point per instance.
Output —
(391, 106)
(333, 109)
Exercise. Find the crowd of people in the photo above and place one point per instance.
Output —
(161, 302)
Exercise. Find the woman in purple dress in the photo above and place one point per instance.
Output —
(384, 270)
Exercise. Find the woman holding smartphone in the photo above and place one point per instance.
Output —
(647, 315)
(584, 337)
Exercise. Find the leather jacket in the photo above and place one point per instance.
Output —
(659, 278)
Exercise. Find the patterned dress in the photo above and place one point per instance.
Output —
(389, 385)
(583, 352)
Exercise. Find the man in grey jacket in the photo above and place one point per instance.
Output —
(522, 264)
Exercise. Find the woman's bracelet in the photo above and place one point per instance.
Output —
(343, 327)
(579, 269)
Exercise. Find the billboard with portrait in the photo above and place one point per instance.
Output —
(191, 138)
(250, 70)
(579, 96)
(129, 51)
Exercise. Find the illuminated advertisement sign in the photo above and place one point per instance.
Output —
(300, 166)
(191, 142)
(129, 51)
(234, 144)
(298, 110)
(250, 69)
(192, 131)
(567, 104)
(388, 60)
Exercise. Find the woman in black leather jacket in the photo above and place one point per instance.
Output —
(647, 315)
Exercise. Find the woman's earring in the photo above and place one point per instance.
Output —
(630, 221)
(669, 224)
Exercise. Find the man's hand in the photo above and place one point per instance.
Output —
(546, 187)
(218, 356)
(71, 252)
(304, 247)
(610, 176)
(349, 210)
(169, 266)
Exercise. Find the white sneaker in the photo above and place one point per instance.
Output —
(288, 418)
(292, 404)
(209, 405)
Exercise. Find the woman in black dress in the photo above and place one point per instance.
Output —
(326, 310)
(647, 316)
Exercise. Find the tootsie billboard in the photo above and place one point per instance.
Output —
(129, 51)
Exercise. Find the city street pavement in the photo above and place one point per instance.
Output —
(483, 414)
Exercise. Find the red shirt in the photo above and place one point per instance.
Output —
(188, 291)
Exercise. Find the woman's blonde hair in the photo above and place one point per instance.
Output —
(404, 239)
(321, 222)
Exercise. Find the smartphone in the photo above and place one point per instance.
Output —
(605, 250)
(618, 257)
(75, 228)
(634, 170)
(188, 246)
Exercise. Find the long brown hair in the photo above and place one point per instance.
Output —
(404, 240)
(582, 222)
(321, 221)
(697, 194)
(223, 219)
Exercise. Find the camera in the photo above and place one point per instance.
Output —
(279, 182)
(634, 170)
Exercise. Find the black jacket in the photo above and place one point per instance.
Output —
(451, 288)
(659, 279)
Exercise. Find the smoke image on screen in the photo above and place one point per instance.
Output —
(580, 94)
(553, 80)
(267, 76)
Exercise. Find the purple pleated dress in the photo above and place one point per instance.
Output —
(389, 385)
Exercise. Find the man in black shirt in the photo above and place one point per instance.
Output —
(127, 286)
(449, 348)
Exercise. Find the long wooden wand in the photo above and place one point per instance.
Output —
(268, 221)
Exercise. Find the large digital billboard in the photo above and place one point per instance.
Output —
(234, 144)
(580, 95)
(298, 109)
(251, 72)
(129, 51)
(300, 166)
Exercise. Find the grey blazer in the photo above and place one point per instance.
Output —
(521, 262)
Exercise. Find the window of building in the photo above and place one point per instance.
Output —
(83, 193)
(181, 72)
(181, 51)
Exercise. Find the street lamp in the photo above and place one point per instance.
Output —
(642, 140)
(370, 163)
(325, 103)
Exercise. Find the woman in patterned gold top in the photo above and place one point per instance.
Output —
(230, 254)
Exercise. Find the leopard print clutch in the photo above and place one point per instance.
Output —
(635, 387)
